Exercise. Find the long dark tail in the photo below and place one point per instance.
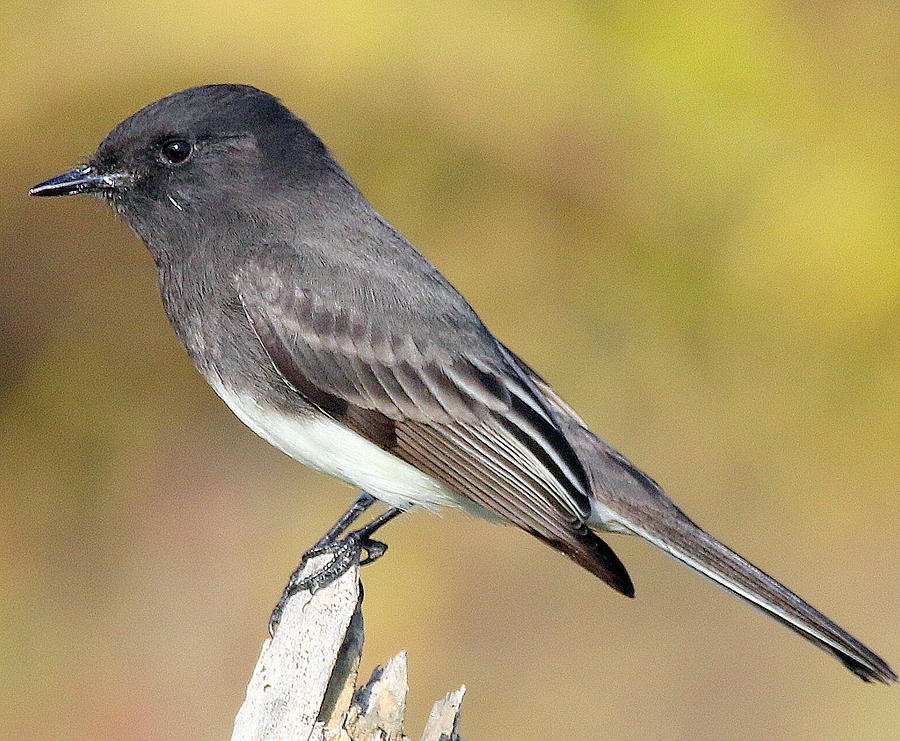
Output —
(699, 550)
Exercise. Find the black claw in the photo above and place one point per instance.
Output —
(344, 553)
(374, 549)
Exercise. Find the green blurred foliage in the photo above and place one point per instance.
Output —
(701, 197)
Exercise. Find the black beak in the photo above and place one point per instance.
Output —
(84, 179)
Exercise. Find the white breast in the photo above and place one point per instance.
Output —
(330, 447)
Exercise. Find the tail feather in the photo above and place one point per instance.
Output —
(703, 553)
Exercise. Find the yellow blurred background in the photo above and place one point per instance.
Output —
(702, 198)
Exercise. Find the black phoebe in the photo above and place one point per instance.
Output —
(330, 336)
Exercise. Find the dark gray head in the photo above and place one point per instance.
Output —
(199, 156)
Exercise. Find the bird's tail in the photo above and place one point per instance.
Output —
(694, 547)
(653, 516)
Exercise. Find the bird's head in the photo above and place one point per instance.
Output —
(195, 156)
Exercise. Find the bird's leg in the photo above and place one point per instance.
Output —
(344, 553)
(362, 503)
(362, 536)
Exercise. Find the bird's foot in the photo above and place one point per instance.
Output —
(344, 553)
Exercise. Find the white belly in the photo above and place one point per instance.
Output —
(330, 447)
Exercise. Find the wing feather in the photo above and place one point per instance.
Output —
(460, 412)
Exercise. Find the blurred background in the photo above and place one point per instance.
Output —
(703, 197)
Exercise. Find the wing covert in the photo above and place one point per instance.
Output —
(463, 414)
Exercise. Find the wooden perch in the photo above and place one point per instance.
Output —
(304, 684)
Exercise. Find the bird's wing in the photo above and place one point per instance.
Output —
(452, 405)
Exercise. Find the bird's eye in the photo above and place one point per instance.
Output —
(175, 151)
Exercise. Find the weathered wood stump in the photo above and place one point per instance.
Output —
(304, 684)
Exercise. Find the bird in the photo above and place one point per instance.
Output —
(333, 338)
